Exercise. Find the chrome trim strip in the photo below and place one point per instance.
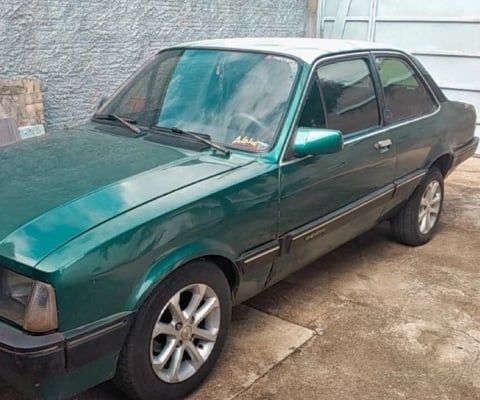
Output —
(389, 127)
(262, 254)
(100, 332)
(409, 180)
(326, 223)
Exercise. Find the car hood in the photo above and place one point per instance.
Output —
(56, 187)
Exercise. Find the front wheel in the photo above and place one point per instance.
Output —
(416, 223)
(178, 334)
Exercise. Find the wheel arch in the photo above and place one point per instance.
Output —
(444, 163)
(229, 268)
(221, 257)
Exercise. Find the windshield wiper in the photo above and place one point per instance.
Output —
(195, 136)
(128, 122)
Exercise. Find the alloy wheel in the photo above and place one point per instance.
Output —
(185, 333)
(430, 204)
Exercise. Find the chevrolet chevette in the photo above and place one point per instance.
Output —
(216, 170)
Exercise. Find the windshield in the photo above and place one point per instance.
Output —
(237, 98)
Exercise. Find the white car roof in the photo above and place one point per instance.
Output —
(306, 49)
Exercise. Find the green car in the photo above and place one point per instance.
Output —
(216, 170)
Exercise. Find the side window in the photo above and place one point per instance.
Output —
(349, 95)
(405, 95)
(313, 113)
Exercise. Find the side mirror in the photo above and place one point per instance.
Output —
(312, 141)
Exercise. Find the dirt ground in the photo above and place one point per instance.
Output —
(372, 320)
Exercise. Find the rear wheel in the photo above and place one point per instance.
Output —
(416, 223)
(178, 334)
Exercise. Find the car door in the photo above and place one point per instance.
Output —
(410, 114)
(327, 200)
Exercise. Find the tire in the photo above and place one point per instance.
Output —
(195, 287)
(409, 226)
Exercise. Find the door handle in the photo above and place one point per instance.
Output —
(383, 145)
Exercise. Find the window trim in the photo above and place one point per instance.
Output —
(418, 74)
(372, 69)
(312, 77)
(379, 90)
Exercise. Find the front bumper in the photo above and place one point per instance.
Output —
(27, 361)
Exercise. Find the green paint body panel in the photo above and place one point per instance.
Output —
(104, 218)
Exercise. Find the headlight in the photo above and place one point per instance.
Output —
(28, 303)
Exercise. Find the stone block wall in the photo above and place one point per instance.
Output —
(82, 50)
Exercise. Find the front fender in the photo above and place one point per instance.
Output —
(173, 260)
(114, 267)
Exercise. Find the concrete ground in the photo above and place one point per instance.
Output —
(372, 320)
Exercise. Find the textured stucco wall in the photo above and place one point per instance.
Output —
(83, 49)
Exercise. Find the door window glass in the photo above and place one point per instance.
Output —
(313, 113)
(349, 96)
(405, 95)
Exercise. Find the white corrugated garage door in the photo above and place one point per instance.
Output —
(443, 34)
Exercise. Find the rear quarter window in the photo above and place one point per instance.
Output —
(405, 94)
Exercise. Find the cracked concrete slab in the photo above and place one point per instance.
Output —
(366, 352)
(257, 343)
